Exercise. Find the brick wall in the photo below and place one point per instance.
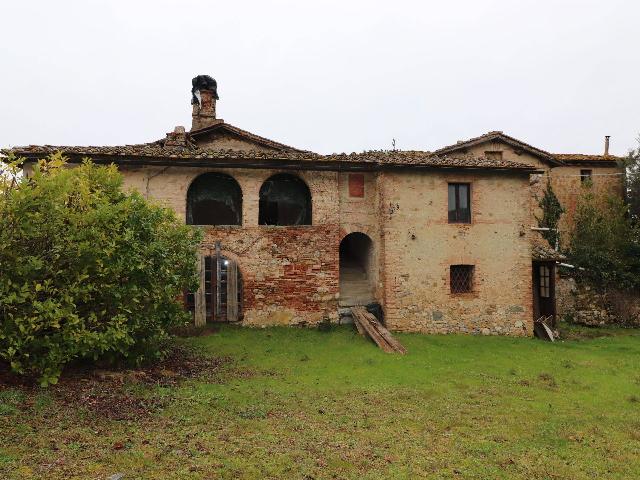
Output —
(291, 274)
(564, 180)
(568, 187)
(420, 245)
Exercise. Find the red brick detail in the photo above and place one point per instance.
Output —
(293, 268)
(356, 185)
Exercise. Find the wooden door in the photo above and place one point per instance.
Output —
(219, 297)
(544, 295)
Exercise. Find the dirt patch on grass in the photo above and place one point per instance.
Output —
(121, 394)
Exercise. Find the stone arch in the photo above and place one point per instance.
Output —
(356, 269)
(285, 199)
(214, 198)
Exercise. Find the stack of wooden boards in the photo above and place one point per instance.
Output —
(368, 324)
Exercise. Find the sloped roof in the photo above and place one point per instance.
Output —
(221, 125)
(426, 159)
(159, 154)
(582, 159)
(541, 251)
(500, 136)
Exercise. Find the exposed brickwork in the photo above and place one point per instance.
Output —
(290, 274)
(568, 187)
(356, 185)
(565, 180)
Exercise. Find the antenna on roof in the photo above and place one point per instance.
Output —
(393, 144)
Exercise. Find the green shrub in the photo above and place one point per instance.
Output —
(605, 243)
(87, 270)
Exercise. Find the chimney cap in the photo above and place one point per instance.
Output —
(203, 82)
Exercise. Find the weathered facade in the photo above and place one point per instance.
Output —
(569, 174)
(442, 241)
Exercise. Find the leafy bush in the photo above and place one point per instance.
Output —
(88, 271)
(632, 182)
(605, 243)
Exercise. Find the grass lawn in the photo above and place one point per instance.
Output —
(302, 404)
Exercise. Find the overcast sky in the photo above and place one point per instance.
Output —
(327, 76)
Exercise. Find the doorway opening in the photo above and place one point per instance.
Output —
(544, 291)
(356, 272)
(220, 291)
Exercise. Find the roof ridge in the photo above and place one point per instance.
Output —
(257, 138)
(503, 136)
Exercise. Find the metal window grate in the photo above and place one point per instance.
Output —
(461, 278)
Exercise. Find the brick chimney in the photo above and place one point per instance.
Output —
(606, 145)
(204, 113)
(203, 100)
(177, 138)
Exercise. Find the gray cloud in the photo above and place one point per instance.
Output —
(328, 76)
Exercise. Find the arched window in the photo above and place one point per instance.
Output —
(284, 200)
(214, 199)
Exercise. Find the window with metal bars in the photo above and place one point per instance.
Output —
(459, 203)
(461, 278)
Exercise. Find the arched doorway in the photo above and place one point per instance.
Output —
(356, 272)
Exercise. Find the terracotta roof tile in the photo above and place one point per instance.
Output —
(243, 133)
(426, 159)
(497, 135)
(155, 150)
(571, 158)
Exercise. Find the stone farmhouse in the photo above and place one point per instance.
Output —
(442, 241)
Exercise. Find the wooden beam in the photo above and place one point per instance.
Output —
(376, 331)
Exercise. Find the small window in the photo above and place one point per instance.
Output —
(356, 185)
(459, 203)
(493, 155)
(545, 281)
(585, 177)
(461, 278)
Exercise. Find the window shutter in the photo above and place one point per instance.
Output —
(200, 314)
(232, 291)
